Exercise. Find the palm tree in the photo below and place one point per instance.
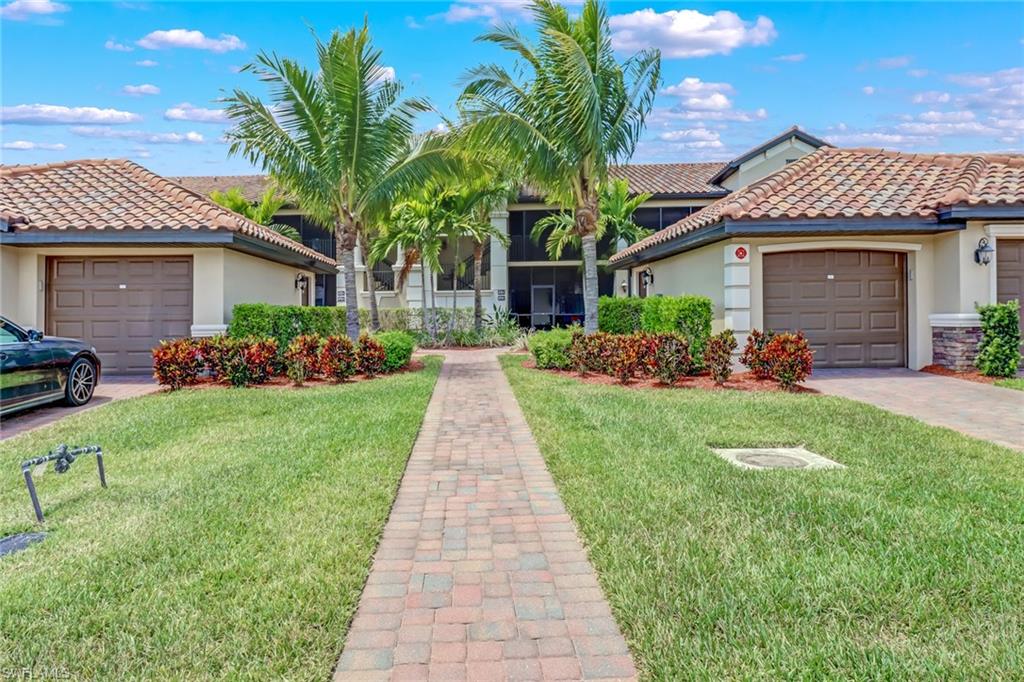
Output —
(616, 219)
(338, 139)
(576, 113)
(261, 213)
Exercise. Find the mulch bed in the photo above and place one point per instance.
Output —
(970, 375)
(739, 381)
(283, 382)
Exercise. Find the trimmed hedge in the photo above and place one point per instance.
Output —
(398, 348)
(284, 322)
(688, 315)
(550, 349)
(999, 350)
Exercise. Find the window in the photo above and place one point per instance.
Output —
(465, 268)
(10, 333)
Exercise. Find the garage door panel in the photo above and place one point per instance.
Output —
(1010, 274)
(850, 304)
(123, 306)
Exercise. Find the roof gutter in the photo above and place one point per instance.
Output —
(981, 212)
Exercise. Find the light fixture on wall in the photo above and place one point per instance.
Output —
(647, 277)
(983, 254)
(301, 282)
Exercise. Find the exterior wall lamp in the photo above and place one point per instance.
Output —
(301, 282)
(647, 277)
(983, 254)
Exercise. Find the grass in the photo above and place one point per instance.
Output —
(233, 541)
(907, 564)
(1016, 383)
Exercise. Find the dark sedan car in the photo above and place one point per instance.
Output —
(35, 369)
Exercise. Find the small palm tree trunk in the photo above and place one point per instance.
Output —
(423, 294)
(586, 225)
(433, 308)
(345, 240)
(371, 284)
(478, 266)
(455, 292)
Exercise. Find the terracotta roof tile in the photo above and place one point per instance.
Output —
(861, 183)
(116, 194)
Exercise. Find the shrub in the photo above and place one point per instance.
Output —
(177, 363)
(250, 361)
(398, 348)
(338, 358)
(550, 349)
(788, 358)
(590, 352)
(689, 315)
(370, 357)
(753, 353)
(214, 350)
(999, 350)
(284, 322)
(718, 356)
(303, 357)
(672, 358)
(627, 355)
(619, 315)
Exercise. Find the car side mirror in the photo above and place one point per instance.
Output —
(35, 335)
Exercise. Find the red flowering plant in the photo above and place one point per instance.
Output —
(338, 358)
(177, 363)
(214, 350)
(626, 356)
(672, 358)
(302, 358)
(250, 361)
(753, 356)
(789, 359)
(370, 356)
(591, 352)
(718, 356)
(647, 352)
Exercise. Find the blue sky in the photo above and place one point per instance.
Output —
(141, 79)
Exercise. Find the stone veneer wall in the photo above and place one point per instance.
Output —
(955, 347)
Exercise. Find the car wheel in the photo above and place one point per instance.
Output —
(81, 382)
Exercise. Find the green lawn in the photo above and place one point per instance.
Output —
(1017, 383)
(234, 539)
(907, 564)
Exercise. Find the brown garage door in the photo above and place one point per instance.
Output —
(851, 304)
(123, 306)
(1010, 272)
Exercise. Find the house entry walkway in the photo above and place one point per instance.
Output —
(480, 574)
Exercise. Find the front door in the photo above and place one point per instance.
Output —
(542, 306)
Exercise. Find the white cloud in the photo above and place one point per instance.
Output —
(701, 101)
(53, 114)
(489, 11)
(931, 97)
(388, 73)
(988, 80)
(147, 63)
(137, 135)
(25, 145)
(144, 89)
(945, 116)
(118, 47)
(868, 90)
(20, 10)
(411, 22)
(688, 33)
(716, 101)
(187, 112)
(918, 73)
(798, 57)
(900, 62)
(196, 40)
(869, 138)
(694, 138)
(691, 86)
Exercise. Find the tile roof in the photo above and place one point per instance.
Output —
(117, 195)
(835, 183)
(653, 178)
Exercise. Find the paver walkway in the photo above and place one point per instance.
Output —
(480, 574)
(108, 390)
(988, 412)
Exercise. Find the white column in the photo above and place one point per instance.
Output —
(499, 261)
(737, 291)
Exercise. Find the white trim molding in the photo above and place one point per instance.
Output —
(841, 245)
(956, 320)
(203, 330)
(736, 282)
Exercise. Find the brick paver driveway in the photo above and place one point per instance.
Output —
(480, 574)
(989, 412)
(109, 389)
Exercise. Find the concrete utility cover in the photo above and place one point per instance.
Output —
(776, 458)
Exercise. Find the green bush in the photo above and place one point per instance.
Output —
(688, 315)
(619, 315)
(999, 350)
(398, 348)
(284, 322)
(551, 348)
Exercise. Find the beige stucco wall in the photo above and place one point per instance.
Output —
(220, 279)
(766, 163)
(699, 272)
